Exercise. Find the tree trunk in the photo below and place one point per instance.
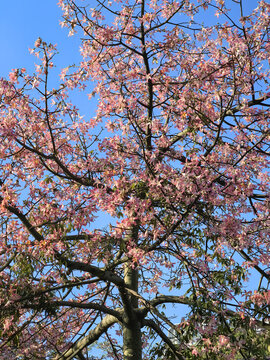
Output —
(132, 342)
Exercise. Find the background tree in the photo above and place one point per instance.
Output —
(178, 156)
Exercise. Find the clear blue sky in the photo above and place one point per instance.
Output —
(21, 23)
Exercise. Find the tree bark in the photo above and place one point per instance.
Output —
(132, 342)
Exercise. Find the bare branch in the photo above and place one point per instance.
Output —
(93, 336)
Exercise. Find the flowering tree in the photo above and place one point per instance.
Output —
(177, 156)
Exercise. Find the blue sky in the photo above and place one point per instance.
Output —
(21, 23)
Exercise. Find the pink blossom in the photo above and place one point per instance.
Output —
(13, 76)
(38, 42)
(195, 352)
(223, 340)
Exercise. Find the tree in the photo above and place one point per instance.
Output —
(177, 155)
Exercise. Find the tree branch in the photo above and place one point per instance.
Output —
(93, 336)
(93, 306)
(157, 329)
(14, 210)
(102, 274)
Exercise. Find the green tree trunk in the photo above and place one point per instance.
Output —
(132, 342)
